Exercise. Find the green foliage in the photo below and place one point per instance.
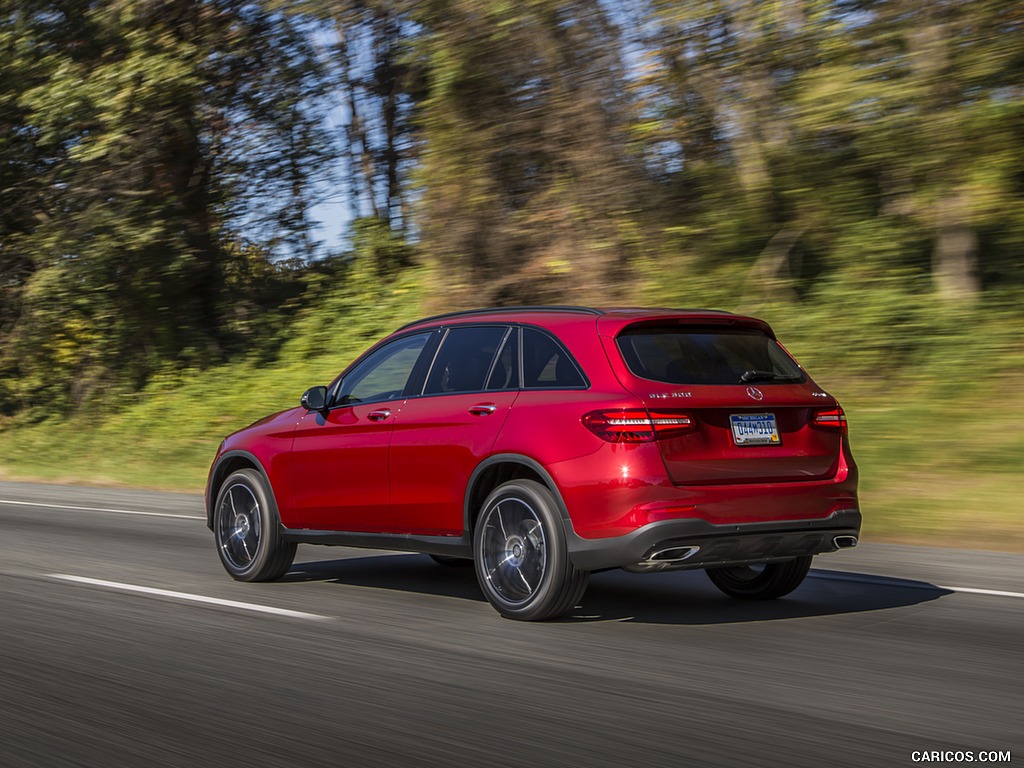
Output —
(927, 441)
(165, 434)
(124, 168)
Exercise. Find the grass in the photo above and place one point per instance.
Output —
(940, 470)
(939, 444)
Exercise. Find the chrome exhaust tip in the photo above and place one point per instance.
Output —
(844, 542)
(663, 559)
(673, 554)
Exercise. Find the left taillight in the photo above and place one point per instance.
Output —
(831, 418)
(637, 425)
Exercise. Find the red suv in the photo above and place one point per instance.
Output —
(543, 443)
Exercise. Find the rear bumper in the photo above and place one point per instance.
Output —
(713, 545)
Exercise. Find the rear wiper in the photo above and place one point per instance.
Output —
(750, 376)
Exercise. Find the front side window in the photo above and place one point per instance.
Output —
(464, 360)
(383, 375)
(705, 355)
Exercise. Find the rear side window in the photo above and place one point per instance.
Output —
(678, 355)
(546, 364)
(464, 359)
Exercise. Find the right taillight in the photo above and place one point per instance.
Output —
(637, 425)
(831, 418)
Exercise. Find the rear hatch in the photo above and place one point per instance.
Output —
(727, 403)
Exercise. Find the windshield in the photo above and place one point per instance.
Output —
(705, 355)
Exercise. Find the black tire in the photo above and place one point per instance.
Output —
(452, 562)
(520, 554)
(766, 582)
(248, 530)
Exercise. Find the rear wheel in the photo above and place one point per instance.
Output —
(247, 529)
(520, 554)
(761, 582)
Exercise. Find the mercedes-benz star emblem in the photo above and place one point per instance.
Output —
(755, 393)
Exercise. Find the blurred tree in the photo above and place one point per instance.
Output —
(158, 159)
(369, 43)
(526, 188)
(930, 95)
(784, 128)
(152, 129)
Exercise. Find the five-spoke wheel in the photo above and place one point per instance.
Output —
(247, 528)
(520, 554)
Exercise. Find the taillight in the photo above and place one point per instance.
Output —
(831, 418)
(637, 425)
(671, 423)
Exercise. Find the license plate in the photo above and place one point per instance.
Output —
(754, 429)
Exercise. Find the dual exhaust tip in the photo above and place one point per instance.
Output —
(679, 554)
(670, 557)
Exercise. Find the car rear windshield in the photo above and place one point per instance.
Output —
(704, 355)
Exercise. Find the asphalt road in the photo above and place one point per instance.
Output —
(390, 660)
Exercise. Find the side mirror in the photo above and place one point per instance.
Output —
(315, 399)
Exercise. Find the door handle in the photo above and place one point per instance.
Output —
(483, 409)
(380, 415)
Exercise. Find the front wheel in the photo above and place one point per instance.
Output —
(520, 554)
(247, 529)
(761, 582)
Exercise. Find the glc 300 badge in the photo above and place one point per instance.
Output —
(755, 393)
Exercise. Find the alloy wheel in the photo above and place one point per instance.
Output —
(513, 550)
(239, 526)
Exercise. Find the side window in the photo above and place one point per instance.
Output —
(464, 359)
(546, 364)
(505, 370)
(384, 374)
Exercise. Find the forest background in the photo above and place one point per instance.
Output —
(850, 170)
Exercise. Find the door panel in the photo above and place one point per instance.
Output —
(340, 469)
(340, 458)
(436, 444)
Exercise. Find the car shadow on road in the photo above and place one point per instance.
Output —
(679, 597)
(688, 597)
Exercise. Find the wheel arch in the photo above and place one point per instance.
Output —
(232, 461)
(498, 469)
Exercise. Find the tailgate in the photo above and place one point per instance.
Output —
(751, 414)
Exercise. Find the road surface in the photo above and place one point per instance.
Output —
(124, 643)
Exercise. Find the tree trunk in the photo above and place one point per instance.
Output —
(771, 270)
(955, 256)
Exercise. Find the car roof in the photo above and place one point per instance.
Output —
(611, 319)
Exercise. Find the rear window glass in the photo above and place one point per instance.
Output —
(707, 356)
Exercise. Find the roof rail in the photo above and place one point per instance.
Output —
(680, 310)
(496, 310)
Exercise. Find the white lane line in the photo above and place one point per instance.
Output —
(994, 592)
(100, 509)
(897, 581)
(189, 597)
